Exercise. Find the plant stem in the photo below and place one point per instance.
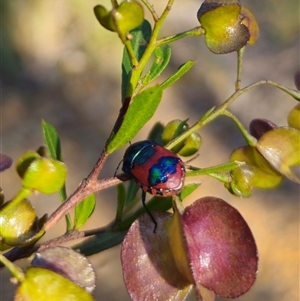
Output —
(136, 72)
(220, 172)
(249, 138)
(114, 3)
(195, 32)
(240, 54)
(15, 270)
(85, 188)
(213, 114)
(128, 46)
(151, 10)
(221, 168)
(22, 194)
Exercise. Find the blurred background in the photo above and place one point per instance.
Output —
(60, 65)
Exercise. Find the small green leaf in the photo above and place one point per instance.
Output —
(160, 203)
(162, 58)
(100, 242)
(126, 73)
(121, 192)
(183, 69)
(132, 190)
(140, 111)
(188, 189)
(52, 140)
(140, 39)
(154, 204)
(156, 132)
(84, 210)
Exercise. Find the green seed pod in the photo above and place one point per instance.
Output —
(250, 22)
(24, 162)
(43, 284)
(172, 130)
(122, 19)
(45, 175)
(129, 16)
(191, 145)
(223, 23)
(243, 181)
(294, 117)
(188, 146)
(17, 223)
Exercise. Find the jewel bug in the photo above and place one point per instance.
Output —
(156, 170)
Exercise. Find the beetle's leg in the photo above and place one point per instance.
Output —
(148, 211)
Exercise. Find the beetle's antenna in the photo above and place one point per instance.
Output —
(148, 211)
(117, 168)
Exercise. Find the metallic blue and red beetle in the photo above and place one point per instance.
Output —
(155, 169)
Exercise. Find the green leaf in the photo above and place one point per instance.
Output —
(52, 140)
(162, 58)
(140, 39)
(100, 242)
(160, 203)
(188, 189)
(84, 210)
(132, 190)
(154, 204)
(140, 111)
(156, 132)
(157, 203)
(183, 69)
(121, 192)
